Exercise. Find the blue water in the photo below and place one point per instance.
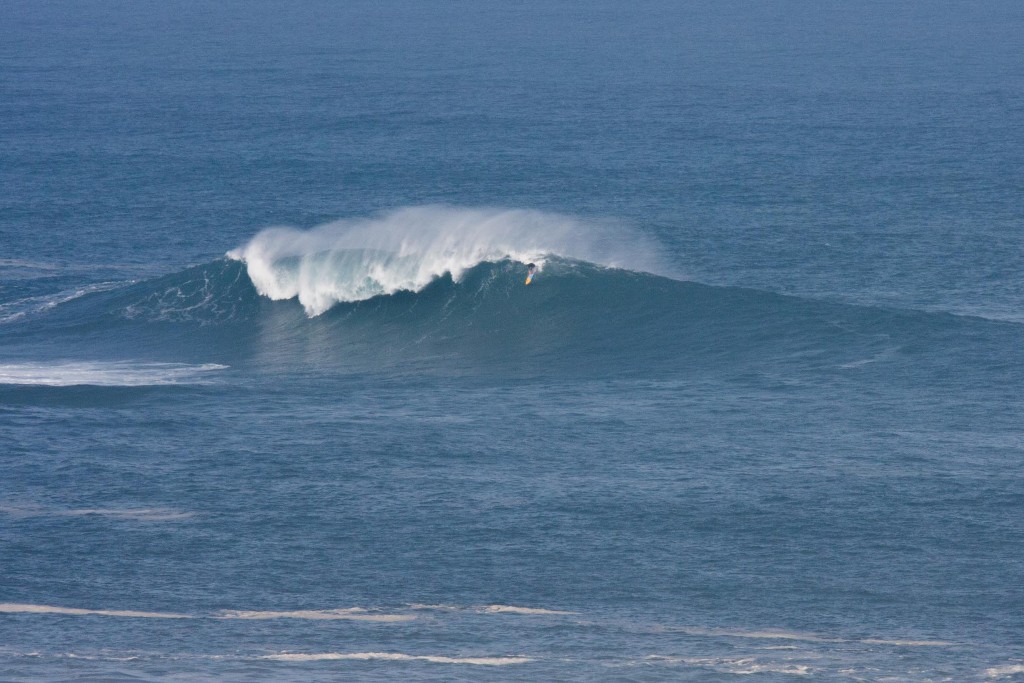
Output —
(275, 403)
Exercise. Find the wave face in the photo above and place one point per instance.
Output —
(407, 249)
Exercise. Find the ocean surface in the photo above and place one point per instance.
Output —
(276, 403)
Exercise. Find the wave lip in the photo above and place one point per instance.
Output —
(406, 249)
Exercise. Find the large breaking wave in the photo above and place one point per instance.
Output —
(407, 249)
(440, 289)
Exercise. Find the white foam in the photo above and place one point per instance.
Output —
(350, 614)
(18, 608)
(737, 666)
(141, 514)
(406, 249)
(859, 363)
(103, 657)
(509, 609)
(397, 657)
(22, 263)
(907, 643)
(107, 374)
(493, 609)
(882, 355)
(769, 634)
(1004, 671)
(772, 634)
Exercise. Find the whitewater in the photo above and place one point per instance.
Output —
(277, 404)
(405, 250)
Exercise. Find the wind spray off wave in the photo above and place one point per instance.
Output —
(406, 249)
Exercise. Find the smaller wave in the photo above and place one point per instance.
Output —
(350, 614)
(397, 657)
(106, 374)
(19, 608)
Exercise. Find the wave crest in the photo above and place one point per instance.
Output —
(406, 249)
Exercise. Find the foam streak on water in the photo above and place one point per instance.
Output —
(106, 374)
(16, 608)
(397, 657)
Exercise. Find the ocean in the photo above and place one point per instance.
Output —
(276, 403)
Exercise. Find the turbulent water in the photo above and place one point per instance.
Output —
(277, 404)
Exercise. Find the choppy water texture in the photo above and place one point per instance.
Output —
(276, 403)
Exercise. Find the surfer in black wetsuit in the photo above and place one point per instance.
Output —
(531, 270)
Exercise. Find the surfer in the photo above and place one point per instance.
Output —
(531, 270)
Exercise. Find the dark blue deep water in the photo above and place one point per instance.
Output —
(275, 403)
